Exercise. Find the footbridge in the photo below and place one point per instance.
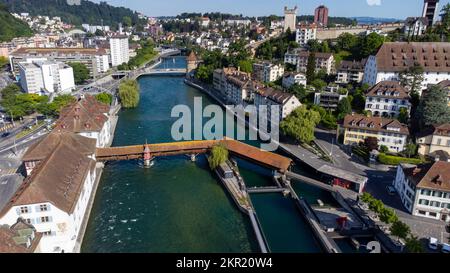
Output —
(236, 148)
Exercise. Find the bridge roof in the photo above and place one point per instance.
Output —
(267, 159)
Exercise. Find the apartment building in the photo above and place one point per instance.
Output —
(94, 59)
(291, 78)
(425, 189)
(323, 61)
(386, 99)
(389, 132)
(45, 77)
(350, 72)
(395, 58)
(267, 71)
(269, 97)
(305, 33)
(120, 50)
(434, 139)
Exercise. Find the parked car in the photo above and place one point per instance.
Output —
(445, 248)
(433, 243)
(390, 190)
(6, 134)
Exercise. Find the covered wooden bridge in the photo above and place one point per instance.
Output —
(236, 148)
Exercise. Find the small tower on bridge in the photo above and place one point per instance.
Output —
(192, 62)
(147, 156)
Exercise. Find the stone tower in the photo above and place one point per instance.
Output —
(290, 18)
(192, 62)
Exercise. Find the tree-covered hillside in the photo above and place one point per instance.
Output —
(11, 27)
(88, 12)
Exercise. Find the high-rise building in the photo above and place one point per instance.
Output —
(119, 50)
(43, 77)
(290, 18)
(321, 16)
(430, 10)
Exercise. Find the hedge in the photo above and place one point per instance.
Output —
(396, 160)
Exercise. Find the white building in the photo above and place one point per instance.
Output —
(415, 26)
(119, 50)
(88, 118)
(204, 21)
(323, 61)
(350, 71)
(389, 132)
(267, 72)
(394, 58)
(425, 189)
(286, 102)
(289, 79)
(43, 77)
(237, 88)
(305, 33)
(55, 197)
(434, 140)
(386, 99)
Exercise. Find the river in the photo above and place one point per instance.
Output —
(177, 205)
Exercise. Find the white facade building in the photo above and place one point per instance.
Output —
(119, 50)
(53, 208)
(425, 189)
(394, 58)
(43, 77)
(305, 33)
(286, 102)
(267, 72)
(415, 26)
(324, 61)
(289, 79)
(386, 99)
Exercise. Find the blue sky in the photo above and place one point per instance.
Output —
(348, 8)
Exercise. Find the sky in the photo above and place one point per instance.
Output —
(399, 9)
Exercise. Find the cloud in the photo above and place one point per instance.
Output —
(374, 2)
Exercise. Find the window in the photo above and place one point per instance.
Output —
(435, 204)
(424, 202)
(426, 192)
(437, 194)
(47, 233)
(43, 208)
(432, 214)
(45, 219)
(421, 212)
(24, 210)
(28, 221)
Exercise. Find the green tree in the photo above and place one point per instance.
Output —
(412, 78)
(204, 73)
(246, 66)
(359, 101)
(400, 230)
(388, 216)
(433, 108)
(219, 155)
(300, 124)
(105, 98)
(298, 90)
(376, 206)
(80, 72)
(413, 245)
(410, 150)
(384, 149)
(403, 115)
(129, 93)
(127, 22)
(319, 84)
(370, 45)
(344, 108)
(3, 62)
(371, 143)
(311, 68)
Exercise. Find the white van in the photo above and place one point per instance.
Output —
(433, 243)
(445, 248)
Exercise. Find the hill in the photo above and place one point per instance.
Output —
(87, 12)
(11, 27)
